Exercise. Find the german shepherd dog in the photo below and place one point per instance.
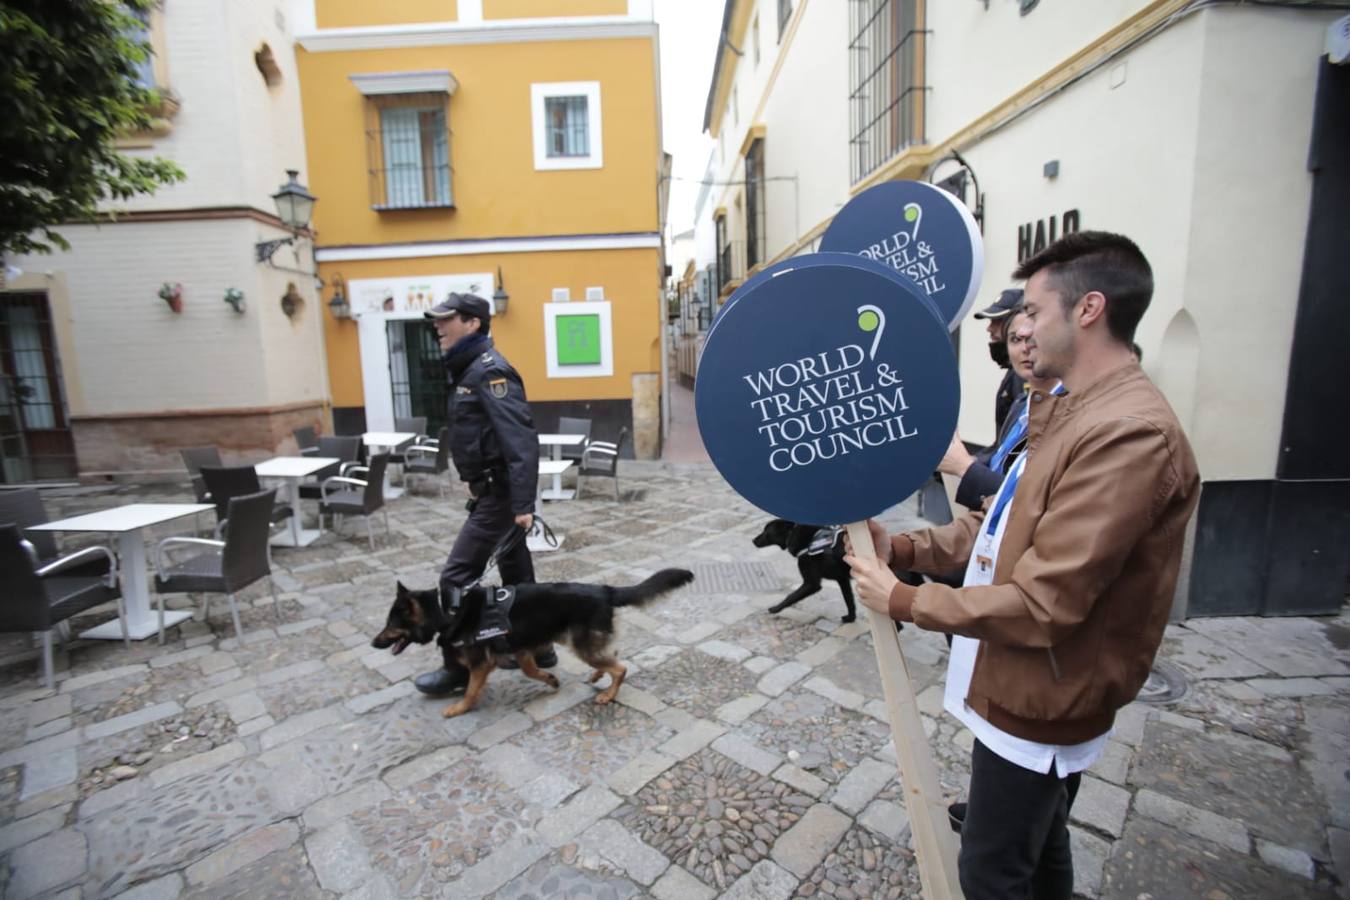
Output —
(541, 614)
(830, 564)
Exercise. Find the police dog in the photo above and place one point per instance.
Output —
(542, 614)
(829, 563)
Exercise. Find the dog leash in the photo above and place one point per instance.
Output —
(511, 541)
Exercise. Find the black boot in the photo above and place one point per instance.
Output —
(442, 681)
(545, 659)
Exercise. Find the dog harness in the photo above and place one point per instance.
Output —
(494, 624)
(822, 541)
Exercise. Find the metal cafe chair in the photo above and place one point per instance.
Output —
(221, 567)
(41, 597)
(601, 458)
(344, 495)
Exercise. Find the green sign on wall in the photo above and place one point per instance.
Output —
(578, 340)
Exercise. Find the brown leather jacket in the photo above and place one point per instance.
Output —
(1085, 575)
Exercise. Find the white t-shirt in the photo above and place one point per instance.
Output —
(1066, 759)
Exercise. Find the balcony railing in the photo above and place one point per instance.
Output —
(409, 168)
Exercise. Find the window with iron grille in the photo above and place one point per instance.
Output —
(568, 133)
(886, 81)
(754, 203)
(784, 13)
(409, 153)
(567, 127)
(723, 251)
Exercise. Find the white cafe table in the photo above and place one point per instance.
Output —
(291, 470)
(554, 467)
(379, 441)
(557, 442)
(128, 523)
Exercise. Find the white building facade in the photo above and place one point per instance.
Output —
(132, 376)
(1206, 132)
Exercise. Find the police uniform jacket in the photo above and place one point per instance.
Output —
(493, 441)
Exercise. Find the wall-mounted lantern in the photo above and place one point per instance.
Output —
(295, 206)
(340, 306)
(499, 296)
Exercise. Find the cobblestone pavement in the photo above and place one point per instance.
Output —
(748, 755)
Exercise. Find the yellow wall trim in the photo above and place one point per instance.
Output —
(726, 72)
(754, 133)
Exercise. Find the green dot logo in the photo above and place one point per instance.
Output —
(868, 321)
(911, 213)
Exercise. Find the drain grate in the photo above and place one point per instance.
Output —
(735, 578)
(1166, 684)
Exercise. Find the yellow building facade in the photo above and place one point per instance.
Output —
(500, 147)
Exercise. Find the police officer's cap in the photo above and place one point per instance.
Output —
(1008, 302)
(468, 304)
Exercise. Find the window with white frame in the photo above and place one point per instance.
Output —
(415, 144)
(567, 132)
(408, 138)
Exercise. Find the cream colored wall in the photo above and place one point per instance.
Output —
(204, 137)
(233, 135)
(1114, 167)
(1250, 197)
(128, 351)
(978, 56)
(292, 349)
(268, 133)
(806, 121)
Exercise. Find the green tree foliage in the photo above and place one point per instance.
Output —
(67, 91)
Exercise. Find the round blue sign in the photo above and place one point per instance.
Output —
(920, 231)
(793, 262)
(828, 392)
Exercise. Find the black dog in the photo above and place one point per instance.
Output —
(541, 614)
(814, 567)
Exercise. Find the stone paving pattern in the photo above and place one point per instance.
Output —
(749, 755)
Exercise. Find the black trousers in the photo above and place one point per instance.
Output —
(1015, 839)
(489, 522)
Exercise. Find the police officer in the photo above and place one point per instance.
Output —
(999, 313)
(496, 451)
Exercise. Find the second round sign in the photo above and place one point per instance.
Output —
(827, 393)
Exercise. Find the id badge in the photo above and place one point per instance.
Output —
(982, 561)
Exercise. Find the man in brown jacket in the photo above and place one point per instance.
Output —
(1070, 568)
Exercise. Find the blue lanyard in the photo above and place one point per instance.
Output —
(1017, 433)
(1011, 440)
(1005, 494)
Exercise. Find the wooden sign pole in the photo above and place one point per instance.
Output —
(933, 838)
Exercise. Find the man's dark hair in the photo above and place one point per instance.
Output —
(1097, 261)
(484, 325)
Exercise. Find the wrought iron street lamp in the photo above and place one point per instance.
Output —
(295, 205)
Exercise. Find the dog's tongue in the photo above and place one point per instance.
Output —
(400, 646)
